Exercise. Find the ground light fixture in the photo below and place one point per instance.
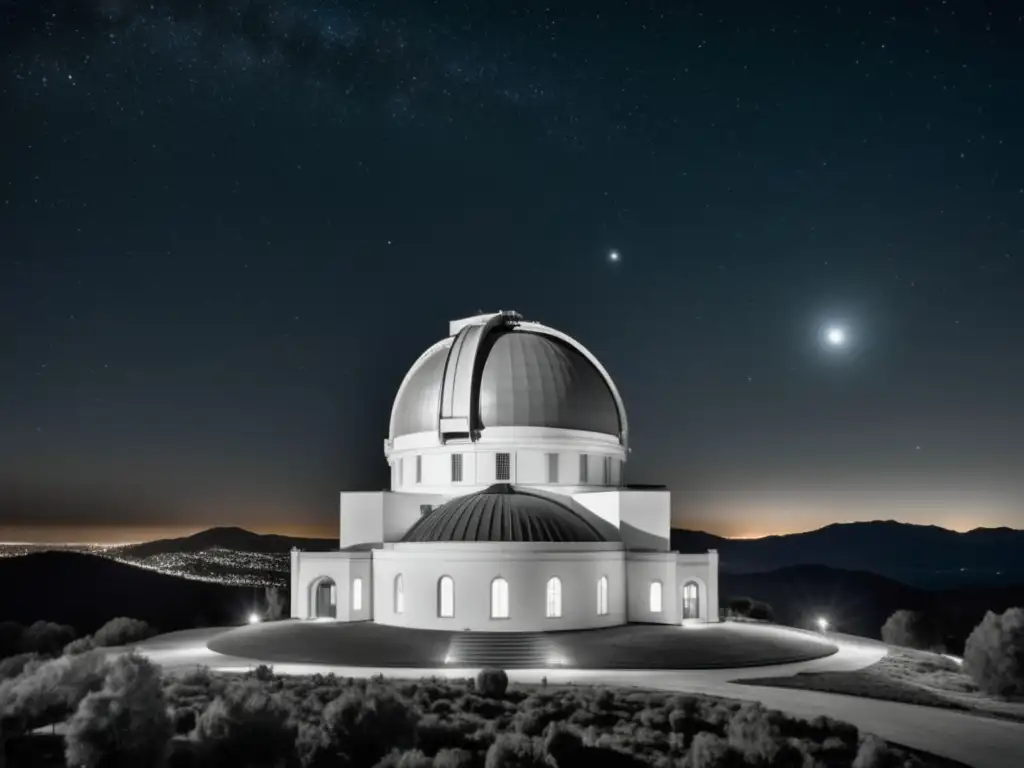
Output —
(254, 618)
(822, 623)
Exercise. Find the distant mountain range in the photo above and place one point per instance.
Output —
(237, 539)
(920, 555)
(858, 602)
(924, 556)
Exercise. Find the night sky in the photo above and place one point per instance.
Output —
(228, 228)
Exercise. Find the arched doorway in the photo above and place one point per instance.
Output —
(323, 600)
(691, 601)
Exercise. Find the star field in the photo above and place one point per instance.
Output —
(228, 229)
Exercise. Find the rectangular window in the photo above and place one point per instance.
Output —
(607, 470)
(419, 469)
(583, 469)
(502, 467)
(357, 594)
(456, 467)
(399, 473)
(552, 468)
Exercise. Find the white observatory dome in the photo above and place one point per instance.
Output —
(499, 380)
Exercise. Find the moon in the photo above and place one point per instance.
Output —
(835, 336)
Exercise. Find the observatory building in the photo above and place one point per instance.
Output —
(508, 509)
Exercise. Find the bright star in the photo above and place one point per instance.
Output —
(613, 256)
(836, 337)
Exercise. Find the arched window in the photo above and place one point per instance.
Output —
(554, 610)
(499, 599)
(691, 600)
(399, 594)
(357, 594)
(446, 597)
(655, 597)
(602, 596)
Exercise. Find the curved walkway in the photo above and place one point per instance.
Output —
(631, 646)
(976, 741)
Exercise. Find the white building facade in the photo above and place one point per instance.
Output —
(508, 509)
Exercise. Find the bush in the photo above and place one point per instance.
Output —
(246, 726)
(46, 638)
(492, 683)
(275, 600)
(125, 723)
(81, 645)
(514, 750)
(13, 666)
(184, 720)
(366, 726)
(994, 653)
(122, 631)
(912, 629)
(748, 608)
(453, 758)
(49, 691)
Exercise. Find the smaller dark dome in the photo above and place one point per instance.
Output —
(504, 513)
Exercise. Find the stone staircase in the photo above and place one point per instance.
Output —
(505, 650)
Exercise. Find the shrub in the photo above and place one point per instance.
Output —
(514, 750)
(709, 750)
(122, 631)
(48, 691)
(411, 758)
(263, 673)
(994, 653)
(749, 608)
(275, 599)
(124, 723)
(563, 745)
(912, 629)
(492, 683)
(366, 726)
(46, 638)
(184, 720)
(875, 753)
(453, 758)
(81, 645)
(246, 726)
(13, 666)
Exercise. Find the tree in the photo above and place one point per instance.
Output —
(994, 653)
(46, 638)
(912, 629)
(126, 723)
(47, 692)
(275, 599)
(246, 726)
(122, 631)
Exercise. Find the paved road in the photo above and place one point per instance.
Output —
(977, 741)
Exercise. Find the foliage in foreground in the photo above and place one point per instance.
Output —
(913, 629)
(994, 653)
(320, 722)
(123, 713)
